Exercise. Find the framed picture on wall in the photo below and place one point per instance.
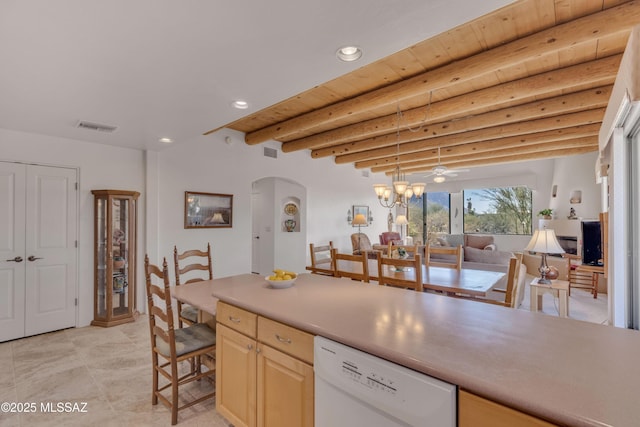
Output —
(359, 209)
(207, 210)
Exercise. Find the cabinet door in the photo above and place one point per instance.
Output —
(285, 390)
(479, 412)
(235, 376)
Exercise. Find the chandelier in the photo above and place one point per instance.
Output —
(401, 190)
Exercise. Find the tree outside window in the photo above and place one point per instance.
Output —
(498, 210)
(429, 215)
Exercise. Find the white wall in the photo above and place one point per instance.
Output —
(576, 173)
(100, 167)
(209, 165)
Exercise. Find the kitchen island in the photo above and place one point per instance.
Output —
(561, 370)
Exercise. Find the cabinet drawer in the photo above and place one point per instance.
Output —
(237, 319)
(287, 339)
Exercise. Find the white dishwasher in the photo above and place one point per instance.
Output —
(356, 389)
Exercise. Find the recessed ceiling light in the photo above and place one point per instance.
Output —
(166, 140)
(349, 53)
(240, 104)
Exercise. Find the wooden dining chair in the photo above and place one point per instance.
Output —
(356, 267)
(321, 259)
(446, 256)
(411, 250)
(191, 266)
(513, 286)
(410, 278)
(170, 346)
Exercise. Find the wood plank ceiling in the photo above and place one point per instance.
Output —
(529, 81)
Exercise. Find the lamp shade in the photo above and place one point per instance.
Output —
(359, 219)
(545, 242)
(401, 220)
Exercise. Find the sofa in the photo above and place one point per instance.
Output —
(480, 251)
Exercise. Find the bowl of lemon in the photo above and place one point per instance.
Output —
(281, 279)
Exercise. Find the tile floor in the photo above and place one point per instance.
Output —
(108, 368)
(582, 305)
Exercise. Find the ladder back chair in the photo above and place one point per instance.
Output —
(193, 260)
(411, 250)
(402, 273)
(449, 256)
(355, 267)
(321, 259)
(512, 290)
(170, 346)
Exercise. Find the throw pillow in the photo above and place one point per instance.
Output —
(478, 241)
(491, 247)
(455, 240)
(486, 257)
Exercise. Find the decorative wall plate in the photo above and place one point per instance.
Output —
(290, 209)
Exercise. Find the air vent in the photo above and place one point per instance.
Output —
(365, 174)
(96, 126)
(270, 152)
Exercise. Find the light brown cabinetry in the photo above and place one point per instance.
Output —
(264, 372)
(475, 411)
(115, 214)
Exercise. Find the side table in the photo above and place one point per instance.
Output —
(557, 288)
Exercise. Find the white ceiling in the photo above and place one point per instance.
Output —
(163, 68)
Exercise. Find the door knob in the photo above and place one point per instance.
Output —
(33, 258)
(16, 259)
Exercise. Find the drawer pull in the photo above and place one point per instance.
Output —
(283, 340)
(249, 346)
(234, 319)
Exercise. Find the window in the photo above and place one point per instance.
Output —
(432, 211)
(498, 210)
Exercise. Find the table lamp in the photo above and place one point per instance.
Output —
(544, 242)
(359, 220)
(401, 220)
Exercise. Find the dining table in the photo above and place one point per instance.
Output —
(466, 281)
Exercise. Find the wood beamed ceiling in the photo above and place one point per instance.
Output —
(528, 81)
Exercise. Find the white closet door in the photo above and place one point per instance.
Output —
(12, 250)
(50, 249)
(38, 255)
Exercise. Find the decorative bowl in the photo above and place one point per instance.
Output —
(280, 284)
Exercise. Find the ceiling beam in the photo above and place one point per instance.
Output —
(551, 153)
(388, 154)
(578, 101)
(599, 72)
(565, 36)
(483, 148)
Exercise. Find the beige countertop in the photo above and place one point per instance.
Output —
(564, 370)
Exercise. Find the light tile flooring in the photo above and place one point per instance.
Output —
(582, 305)
(109, 368)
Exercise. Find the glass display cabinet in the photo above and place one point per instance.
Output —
(114, 256)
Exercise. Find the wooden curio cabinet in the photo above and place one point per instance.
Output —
(114, 256)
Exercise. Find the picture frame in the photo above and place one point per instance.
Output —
(360, 209)
(208, 210)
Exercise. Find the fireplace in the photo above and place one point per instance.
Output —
(569, 244)
(568, 232)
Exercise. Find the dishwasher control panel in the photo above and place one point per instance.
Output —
(371, 379)
(376, 389)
